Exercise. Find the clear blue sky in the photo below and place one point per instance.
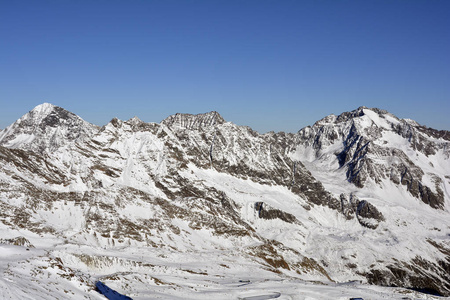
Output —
(271, 65)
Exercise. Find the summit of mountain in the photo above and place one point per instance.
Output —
(190, 121)
(372, 145)
(46, 128)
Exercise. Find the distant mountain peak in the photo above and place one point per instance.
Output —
(190, 121)
(362, 113)
(326, 120)
(47, 114)
(45, 127)
(134, 120)
(43, 108)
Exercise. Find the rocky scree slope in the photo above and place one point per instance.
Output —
(338, 201)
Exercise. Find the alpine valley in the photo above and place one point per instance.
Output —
(195, 207)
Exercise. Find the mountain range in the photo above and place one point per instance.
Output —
(195, 207)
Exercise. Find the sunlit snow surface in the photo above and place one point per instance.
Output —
(211, 268)
(34, 274)
(198, 263)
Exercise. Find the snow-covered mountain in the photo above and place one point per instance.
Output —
(46, 128)
(197, 207)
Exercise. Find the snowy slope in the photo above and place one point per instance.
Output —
(196, 207)
(45, 128)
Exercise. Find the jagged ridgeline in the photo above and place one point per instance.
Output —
(360, 196)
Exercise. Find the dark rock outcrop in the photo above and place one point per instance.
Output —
(366, 213)
(269, 213)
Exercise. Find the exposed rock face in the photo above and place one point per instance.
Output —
(189, 121)
(420, 274)
(46, 128)
(376, 146)
(17, 241)
(269, 213)
(366, 214)
(287, 203)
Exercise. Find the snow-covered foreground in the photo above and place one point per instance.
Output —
(197, 264)
(39, 274)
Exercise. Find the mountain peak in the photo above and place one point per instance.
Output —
(45, 127)
(361, 113)
(326, 120)
(46, 114)
(44, 108)
(190, 121)
(134, 120)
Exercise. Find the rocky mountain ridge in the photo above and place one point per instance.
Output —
(318, 204)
